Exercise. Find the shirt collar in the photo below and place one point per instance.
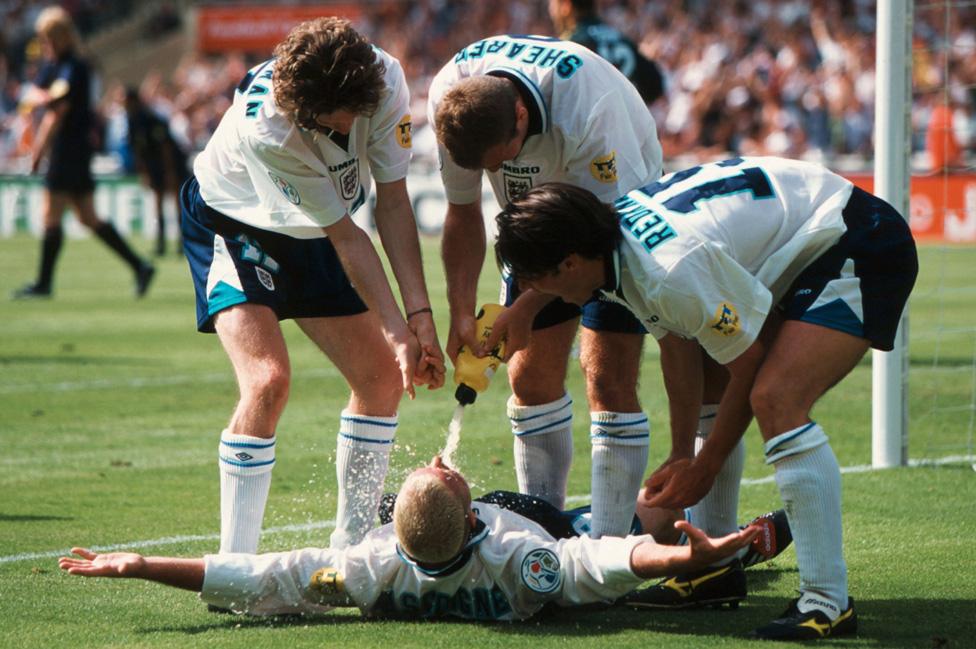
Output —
(612, 273)
(477, 535)
(531, 96)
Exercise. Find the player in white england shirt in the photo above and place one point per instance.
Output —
(782, 271)
(268, 234)
(442, 556)
(526, 110)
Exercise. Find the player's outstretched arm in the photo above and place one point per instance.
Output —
(649, 560)
(397, 228)
(180, 573)
(463, 247)
(365, 271)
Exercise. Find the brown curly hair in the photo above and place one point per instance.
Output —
(325, 65)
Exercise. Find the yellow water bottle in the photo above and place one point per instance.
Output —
(472, 374)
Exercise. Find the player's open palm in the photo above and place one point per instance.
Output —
(706, 550)
(112, 564)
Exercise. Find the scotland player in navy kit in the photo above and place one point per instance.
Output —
(442, 556)
(782, 271)
(268, 236)
(66, 136)
(159, 159)
(579, 21)
(525, 110)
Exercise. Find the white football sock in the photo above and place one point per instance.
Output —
(717, 512)
(809, 484)
(543, 448)
(619, 458)
(362, 458)
(245, 477)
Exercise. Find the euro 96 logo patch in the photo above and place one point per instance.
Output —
(604, 167)
(540, 571)
(404, 132)
(726, 320)
(328, 586)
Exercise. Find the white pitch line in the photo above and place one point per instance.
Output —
(144, 382)
(317, 525)
(167, 540)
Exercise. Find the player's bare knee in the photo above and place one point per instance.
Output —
(608, 392)
(773, 405)
(379, 393)
(90, 221)
(533, 390)
(270, 384)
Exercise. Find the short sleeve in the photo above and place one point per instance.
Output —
(390, 137)
(609, 160)
(708, 296)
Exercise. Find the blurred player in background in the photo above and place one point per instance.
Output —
(579, 21)
(527, 110)
(66, 136)
(159, 160)
(785, 273)
(439, 557)
(268, 235)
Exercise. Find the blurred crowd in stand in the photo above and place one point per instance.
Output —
(792, 78)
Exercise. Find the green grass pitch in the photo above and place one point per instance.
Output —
(110, 411)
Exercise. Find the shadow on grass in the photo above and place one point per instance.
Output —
(31, 518)
(911, 623)
(901, 623)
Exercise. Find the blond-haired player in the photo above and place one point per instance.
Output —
(442, 556)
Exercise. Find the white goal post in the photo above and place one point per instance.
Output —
(892, 152)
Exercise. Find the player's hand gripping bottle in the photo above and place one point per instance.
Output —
(472, 374)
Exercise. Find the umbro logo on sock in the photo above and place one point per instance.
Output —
(244, 457)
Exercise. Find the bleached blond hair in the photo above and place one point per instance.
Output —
(55, 24)
(429, 519)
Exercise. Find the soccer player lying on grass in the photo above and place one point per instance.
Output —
(439, 557)
(783, 272)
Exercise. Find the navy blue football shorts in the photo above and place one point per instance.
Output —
(69, 171)
(597, 314)
(560, 524)
(233, 263)
(860, 285)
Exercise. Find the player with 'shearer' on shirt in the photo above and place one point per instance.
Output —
(525, 110)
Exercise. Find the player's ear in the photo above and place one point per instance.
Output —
(521, 113)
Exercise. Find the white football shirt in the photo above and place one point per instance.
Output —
(510, 569)
(262, 169)
(707, 251)
(588, 125)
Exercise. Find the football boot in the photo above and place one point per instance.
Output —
(774, 537)
(715, 586)
(812, 625)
